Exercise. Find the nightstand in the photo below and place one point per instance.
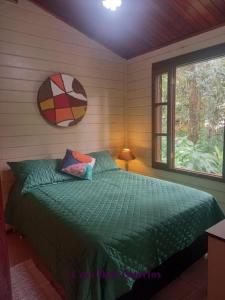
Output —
(216, 261)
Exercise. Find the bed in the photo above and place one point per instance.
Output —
(98, 237)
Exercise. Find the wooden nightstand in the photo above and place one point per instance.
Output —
(216, 261)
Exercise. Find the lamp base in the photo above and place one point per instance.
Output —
(126, 165)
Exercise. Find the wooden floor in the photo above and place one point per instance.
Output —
(191, 285)
(28, 283)
(20, 250)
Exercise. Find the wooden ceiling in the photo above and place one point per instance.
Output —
(139, 26)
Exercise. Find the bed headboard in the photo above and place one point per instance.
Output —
(7, 180)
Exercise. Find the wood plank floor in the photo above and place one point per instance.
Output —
(190, 285)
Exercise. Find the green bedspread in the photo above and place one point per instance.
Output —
(117, 223)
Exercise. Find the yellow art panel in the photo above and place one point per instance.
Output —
(47, 104)
(78, 111)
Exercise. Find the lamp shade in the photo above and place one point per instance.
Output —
(126, 154)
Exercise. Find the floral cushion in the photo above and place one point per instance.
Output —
(78, 164)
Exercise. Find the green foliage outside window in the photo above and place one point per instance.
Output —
(200, 113)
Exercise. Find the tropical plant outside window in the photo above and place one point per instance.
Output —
(189, 114)
(200, 113)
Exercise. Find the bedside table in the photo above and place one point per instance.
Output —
(216, 261)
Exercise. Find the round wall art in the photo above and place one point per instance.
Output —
(62, 100)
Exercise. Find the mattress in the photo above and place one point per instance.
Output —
(97, 236)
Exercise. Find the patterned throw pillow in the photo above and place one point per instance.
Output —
(78, 164)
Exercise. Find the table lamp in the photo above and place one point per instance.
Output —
(126, 155)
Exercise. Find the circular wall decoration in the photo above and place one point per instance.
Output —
(62, 100)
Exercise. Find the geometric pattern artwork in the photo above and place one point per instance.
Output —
(62, 100)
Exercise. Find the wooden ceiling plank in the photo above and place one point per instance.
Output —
(213, 9)
(138, 26)
(149, 20)
(203, 12)
(159, 8)
(183, 12)
(170, 7)
(152, 28)
(141, 39)
(220, 4)
(186, 5)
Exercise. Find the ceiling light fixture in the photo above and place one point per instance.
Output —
(112, 4)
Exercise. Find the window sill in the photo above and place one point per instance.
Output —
(161, 166)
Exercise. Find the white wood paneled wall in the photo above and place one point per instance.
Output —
(34, 45)
(139, 109)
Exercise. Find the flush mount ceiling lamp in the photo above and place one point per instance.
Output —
(112, 4)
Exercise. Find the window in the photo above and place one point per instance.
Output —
(189, 113)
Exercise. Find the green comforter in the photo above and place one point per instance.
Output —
(92, 233)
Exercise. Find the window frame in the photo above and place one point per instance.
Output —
(169, 66)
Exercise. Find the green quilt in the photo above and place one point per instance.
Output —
(93, 234)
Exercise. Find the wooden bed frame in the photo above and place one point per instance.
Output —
(7, 180)
(142, 289)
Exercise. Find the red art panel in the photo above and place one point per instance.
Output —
(62, 101)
